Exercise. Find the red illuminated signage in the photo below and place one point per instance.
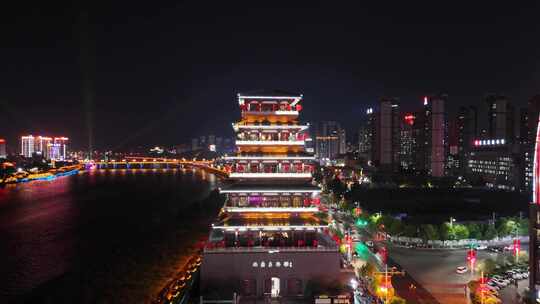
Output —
(409, 119)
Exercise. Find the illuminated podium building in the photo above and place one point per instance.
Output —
(270, 238)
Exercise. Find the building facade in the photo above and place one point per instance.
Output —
(330, 141)
(384, 135)
(431, 137)
(493, 163)
(407, 142)
(270, 233)
(3, 151)
(500, 117)
(48, 147)
(467, 131)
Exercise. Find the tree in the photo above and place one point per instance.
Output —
(475, 231)
(337, 187)
(490, 232)
(410, 230)
(460, 231)
(488, 266)
(395, 228)
(429, 232)
(444, 232)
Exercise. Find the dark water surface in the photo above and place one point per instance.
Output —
(97, 236)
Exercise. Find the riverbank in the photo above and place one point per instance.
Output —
(23, 177)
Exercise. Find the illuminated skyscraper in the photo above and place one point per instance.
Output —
(330, 140)
(430, 132)
(500, 117)
(385, 134)
(270, 233)
(3, 153)
(27, 146)
(57, 149)
(48, 147)
(406, 156)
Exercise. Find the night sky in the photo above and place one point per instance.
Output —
(149, 74)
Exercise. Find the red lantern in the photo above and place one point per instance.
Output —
(298, 107)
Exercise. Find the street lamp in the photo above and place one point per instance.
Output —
(452, 220)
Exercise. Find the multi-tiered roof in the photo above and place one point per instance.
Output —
(272, 201)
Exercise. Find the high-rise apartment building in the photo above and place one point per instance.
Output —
(467, 131)
(3, 152)
(57, 149)
(500, 117)
(330, 140)
(430, 137)
(48, 147)
(407, 142)
(385, 126)
(35, 144)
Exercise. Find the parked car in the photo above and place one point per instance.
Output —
(461, 269)
(492, 285)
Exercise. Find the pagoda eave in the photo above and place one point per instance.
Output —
(270, 228)
(272, 209)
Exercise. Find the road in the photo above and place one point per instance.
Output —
(435, 270)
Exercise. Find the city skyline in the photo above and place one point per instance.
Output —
(130, 86)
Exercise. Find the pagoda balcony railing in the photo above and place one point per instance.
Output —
(269, 126)
(270, 175)
(270, 249)
(275, 169)
(270, 142)
(271, 209)
(271, 111)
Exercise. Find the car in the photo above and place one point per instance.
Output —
(492, 285)
(369, 243)
(481, 247)
(494, 249)
(461, 269)
(501, 282)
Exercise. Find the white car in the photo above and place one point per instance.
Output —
(500, 282)
(461, 269)
(481, 247)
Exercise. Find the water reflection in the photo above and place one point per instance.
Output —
(50, 227)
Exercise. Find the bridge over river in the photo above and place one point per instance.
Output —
(131, 163)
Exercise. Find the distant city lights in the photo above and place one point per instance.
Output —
(489, 142)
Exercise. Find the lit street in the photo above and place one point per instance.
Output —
(435, 270)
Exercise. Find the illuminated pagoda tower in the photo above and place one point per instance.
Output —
(270, 238)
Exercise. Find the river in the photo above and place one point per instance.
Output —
(100, 236)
